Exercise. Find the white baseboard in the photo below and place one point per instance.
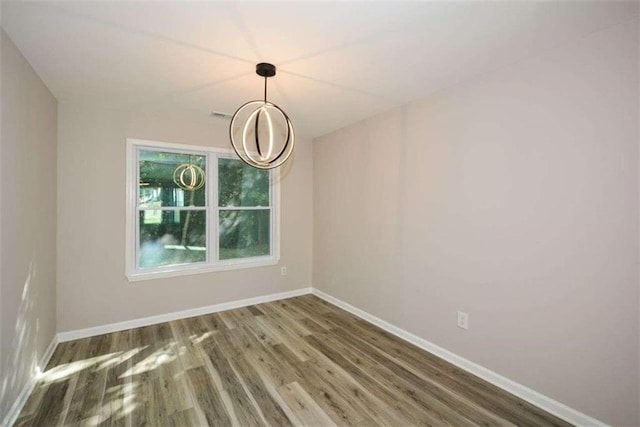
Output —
(552, 406)
(152, 320)
(11, 417)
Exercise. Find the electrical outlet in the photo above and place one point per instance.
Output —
(283, 271)
(463, 320)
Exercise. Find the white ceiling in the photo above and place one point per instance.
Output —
(338, 62)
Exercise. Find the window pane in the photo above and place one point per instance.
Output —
(172, 237)
(244, 234)
(169, 179)
(241, 185)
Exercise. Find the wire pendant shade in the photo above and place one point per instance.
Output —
(261, 133)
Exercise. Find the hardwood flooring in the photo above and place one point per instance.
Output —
(299, 361)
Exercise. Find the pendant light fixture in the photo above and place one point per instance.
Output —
(261, 133)
(189, 177)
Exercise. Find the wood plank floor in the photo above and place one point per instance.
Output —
(299, 361)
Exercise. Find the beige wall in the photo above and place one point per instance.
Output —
(513, 197)
(28, 227)
(92, 287)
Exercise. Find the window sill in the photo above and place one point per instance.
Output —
(187, 270)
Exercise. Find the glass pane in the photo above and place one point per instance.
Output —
(244, 234)
(172, 237)
(241, 185)
(171, 179)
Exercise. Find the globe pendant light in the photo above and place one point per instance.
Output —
(261, 133)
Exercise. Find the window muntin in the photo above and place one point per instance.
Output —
(230, 222)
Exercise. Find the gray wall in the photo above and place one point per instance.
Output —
(513, 197)
(92, 287)
(28, 222)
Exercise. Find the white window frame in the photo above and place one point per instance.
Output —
(212, 263)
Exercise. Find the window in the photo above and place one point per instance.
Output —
(196, 209)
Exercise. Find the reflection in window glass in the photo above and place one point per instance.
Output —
(241, 185)
(152, 216)
(244, 233)
(179, 237)
(157, 187)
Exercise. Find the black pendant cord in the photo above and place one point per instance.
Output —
(258, 118)
(265, 89)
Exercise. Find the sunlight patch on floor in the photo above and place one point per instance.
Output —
(67, 370)
(166, 354)
(119, 402)
(197, 340)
